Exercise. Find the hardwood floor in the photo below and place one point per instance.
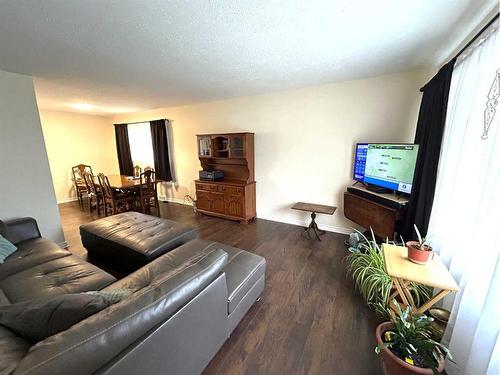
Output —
(310, 319)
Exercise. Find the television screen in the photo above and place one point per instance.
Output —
(386, 165)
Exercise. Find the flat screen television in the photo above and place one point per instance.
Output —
(386, 165)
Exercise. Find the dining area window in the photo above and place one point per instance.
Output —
(141, 144)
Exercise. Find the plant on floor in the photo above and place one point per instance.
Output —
(408, 337)
(366, 266)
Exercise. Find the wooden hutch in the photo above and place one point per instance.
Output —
(232, 197)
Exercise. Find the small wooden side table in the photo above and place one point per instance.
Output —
(403, 272)
(313, 209)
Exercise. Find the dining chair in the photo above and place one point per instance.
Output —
(94, 193)
(137, 171)
(114, 200)
(148, 196)
(77, 173)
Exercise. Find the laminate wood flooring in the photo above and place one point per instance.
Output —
(310, 319)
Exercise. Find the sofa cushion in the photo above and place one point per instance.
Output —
(134, 238)
(3, 299)
(12, 349)
(40, 318)
(6, 248)
(65, 275)
(31, 253)
(243, 270)
(161, 289)
(21, 229)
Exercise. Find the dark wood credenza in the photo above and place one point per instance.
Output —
(234, 196)
(382, 212)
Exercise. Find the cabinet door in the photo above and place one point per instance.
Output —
(204, 146)
(370, 214)
(237, 146)
(234, 205)
(217, 202)
(220, 146)
(203, 200)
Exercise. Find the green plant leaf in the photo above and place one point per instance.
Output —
(418, 233)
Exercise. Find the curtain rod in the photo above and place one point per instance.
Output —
(465, 47)
(141, 122)
(476, 36)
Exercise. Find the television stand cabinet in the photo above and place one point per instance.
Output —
(232, 197)
(382, 212)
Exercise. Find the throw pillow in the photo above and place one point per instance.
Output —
(6, 248)
(3, 229)
(38, 319)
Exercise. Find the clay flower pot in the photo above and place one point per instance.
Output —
(392, 365)
(418, 255)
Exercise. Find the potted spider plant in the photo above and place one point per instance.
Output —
(406, 347)
(366, 266)
(419, 251)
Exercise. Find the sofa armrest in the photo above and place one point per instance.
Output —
(204, 264)
(22, 229)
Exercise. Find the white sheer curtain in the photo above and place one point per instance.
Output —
(465, 221)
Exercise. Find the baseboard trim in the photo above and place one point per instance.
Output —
(67, 200)
(175, 200)
(305, 223)
(302, 223)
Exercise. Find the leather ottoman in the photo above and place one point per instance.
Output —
(133, 239)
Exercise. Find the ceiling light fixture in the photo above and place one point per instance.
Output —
(83, 106)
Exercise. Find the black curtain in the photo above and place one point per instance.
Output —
(429, 135)
(160, 150)
(123, 150)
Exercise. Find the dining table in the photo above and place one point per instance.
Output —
(117, 181)
(122, 182)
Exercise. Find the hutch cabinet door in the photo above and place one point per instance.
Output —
(217, 202)
(204, 146)
(237, 146)
(203, 200)
(234, 205)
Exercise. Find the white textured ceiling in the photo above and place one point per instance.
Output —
(127, 55)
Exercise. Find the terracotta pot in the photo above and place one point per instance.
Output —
(392, 365)
(417, 255)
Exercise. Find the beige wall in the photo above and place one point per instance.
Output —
(26, 188)
(304, 139)
(72, 139)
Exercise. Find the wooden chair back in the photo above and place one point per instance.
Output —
(105, 186)
(90, 183)
(137, 171)
(147, 192)
(79, 170)
(148, 180)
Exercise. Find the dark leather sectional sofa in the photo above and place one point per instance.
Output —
(184, 306)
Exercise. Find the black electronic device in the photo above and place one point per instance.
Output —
(211, 175)
(388, 200)
(386, 167)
